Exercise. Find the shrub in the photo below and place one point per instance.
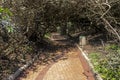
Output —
(107, 65)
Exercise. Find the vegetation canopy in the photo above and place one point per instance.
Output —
(25, 25)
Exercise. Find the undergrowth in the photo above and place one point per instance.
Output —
(107, 65)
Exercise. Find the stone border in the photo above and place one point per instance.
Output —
(97, 76)
(21, 69)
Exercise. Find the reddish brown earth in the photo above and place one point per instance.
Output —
(69, 64)
(72, 66)
(68, 69)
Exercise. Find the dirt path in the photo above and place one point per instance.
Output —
(68, 69)
(69, 64)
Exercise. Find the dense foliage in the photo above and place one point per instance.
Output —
(107, 65)
(38, 17)
(14, 51)
(25, 23)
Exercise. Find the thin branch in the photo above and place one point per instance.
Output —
(106, 10)
(108, 24)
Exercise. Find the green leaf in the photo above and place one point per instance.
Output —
(1, 10)
(10, 29)
(7, 11)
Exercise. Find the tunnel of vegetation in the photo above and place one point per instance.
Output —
(25, 23)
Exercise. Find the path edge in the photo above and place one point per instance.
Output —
(21, 69)
(97, 76)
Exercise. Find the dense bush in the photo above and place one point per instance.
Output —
(14, 47)
(107, 65)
